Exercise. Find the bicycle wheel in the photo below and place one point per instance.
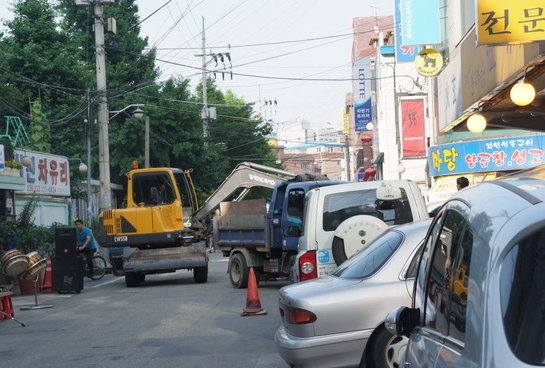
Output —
(99, 268)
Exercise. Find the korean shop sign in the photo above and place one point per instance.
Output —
(46, 175)
(420, 22)
(403, 53)
(499, 154)
(508, 21)
(361, 90)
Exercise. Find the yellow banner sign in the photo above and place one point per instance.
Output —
(508, 21)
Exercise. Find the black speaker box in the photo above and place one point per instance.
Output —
(67, 273)
(65, 241)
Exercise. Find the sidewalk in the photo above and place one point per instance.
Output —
(52, 297)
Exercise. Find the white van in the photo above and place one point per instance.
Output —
(341, 219)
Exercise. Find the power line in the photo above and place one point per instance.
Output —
(277, 42)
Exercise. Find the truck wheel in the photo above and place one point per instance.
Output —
(200, 274)
(238, 271)
(133, 279)
(354, 234)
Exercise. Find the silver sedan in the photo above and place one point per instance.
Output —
(338, 320)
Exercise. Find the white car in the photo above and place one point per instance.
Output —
(337, 320)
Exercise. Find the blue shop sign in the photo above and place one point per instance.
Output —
(500, 154)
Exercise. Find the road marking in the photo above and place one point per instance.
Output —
(103, 283)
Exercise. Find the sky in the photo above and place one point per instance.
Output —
(294, 52)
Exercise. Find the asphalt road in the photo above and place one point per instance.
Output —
(169, 321)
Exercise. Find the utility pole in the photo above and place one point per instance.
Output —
(146, 144)
(204, 113)
(347, 155)
(209, 113)
(88, 131)
(103, 140)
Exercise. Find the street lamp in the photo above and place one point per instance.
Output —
(137, 113)
(82, 167)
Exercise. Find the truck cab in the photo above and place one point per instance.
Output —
(286, 212)
(340, 220)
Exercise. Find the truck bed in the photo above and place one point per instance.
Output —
(241, 223)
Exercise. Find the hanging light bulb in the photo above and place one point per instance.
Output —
(476, 123)
(522, 93)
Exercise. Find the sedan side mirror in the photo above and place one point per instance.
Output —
(402, 321)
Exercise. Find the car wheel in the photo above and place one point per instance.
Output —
(238, 271)
(387, 350)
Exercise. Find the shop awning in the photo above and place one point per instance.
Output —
(8, 182)
(502, 113)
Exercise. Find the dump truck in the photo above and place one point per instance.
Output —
(264, 235)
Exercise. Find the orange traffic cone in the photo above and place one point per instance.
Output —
(253, 305)
(47, 286)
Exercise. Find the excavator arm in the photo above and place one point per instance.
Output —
(245, 175)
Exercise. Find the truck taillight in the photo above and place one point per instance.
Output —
(307, 266)
(296, 316)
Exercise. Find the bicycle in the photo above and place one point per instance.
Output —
(99, 266)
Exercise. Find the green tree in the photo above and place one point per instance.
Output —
(41, 62)
(48, 56)
(129, 68)
(235, 136)
(40, 133)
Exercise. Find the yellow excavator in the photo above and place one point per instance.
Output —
(163, 229)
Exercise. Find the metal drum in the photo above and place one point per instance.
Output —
(34, 257)
(10, 254)
(33, 270)
(14, 262)
(36, 264)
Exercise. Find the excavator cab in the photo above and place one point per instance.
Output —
(160, 202)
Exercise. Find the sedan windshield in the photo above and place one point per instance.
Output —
(369, 260)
